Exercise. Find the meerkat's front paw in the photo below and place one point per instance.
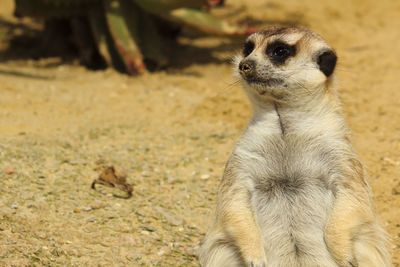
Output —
(256, 260)
(257, 263)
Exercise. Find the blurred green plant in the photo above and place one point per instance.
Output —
(130, 35)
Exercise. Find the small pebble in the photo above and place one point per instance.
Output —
(145, 173)
(87, 208)
(205, 176)
(171, 217)
(9, 170)
(191, 251)
(161, 252)
(91, 219)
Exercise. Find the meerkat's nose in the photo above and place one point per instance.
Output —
(246, 66)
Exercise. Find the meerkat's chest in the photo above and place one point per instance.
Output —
(289, 162)
(295, 171)
(293, 195)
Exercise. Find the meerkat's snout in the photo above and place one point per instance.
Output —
(246, 67)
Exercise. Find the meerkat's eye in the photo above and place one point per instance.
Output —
(248, 48)
(279, 51)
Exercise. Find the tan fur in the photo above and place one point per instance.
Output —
(294, 193)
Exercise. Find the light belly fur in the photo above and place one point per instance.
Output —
(293, 197)
(293, 227)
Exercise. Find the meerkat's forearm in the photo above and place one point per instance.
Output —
(238, 222)
(237, 219)
(345, 218)
(352, 234)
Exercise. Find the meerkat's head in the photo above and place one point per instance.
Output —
(285, 61)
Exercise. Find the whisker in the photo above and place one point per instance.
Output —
(227, 88)
(300, 84)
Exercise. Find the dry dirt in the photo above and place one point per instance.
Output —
(171, 132)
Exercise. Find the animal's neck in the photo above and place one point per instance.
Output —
(281, 124)
(320, 116)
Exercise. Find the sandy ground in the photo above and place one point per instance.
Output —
(171, 132)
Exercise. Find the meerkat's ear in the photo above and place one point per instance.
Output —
(327, 62)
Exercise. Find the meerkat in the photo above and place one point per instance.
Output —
(294, 192)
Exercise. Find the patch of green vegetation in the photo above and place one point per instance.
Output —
(34, 259)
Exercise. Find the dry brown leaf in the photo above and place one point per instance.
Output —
(111, 178)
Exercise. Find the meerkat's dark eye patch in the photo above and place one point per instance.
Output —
(278, 52)
(327, 62)
(248, 48)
